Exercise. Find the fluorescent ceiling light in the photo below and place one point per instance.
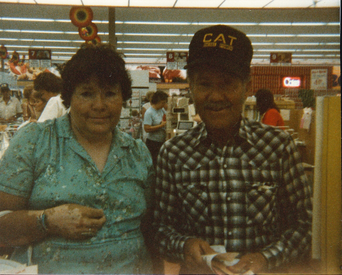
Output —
(59, 2)
(152, 3)
(20, 1)
(9, 39)
(289, 4)
(328, 3)
(26, 19)
(143, 54)
(275, 24)
(109, 3)
(320, 50)
(145, 49)
(197, 3)
(244, 4)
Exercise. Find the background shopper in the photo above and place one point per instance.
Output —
(269, 112)
(154, 124)
(50, 86)
(10, 107)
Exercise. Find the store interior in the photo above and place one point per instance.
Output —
(296, 56)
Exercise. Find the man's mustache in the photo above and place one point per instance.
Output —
(216, 106)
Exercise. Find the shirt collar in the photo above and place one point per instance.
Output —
(245, 133)
(64, 130)
(10, 99)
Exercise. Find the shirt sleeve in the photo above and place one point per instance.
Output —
(19, 109)
(295, 215)
(17, 164)
(53, 109)
(148, 120)
(168, 213)
(273, 118)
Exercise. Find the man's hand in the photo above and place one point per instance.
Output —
(193, 251)
(252, 261)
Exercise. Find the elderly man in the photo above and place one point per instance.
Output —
(229, 181)
(10, 107)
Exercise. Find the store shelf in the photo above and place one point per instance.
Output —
(171, 85)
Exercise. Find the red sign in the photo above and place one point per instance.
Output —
(176, 56)
(281, 58)
(291, 82)
(39, 54)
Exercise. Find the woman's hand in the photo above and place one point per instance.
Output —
(73, 221)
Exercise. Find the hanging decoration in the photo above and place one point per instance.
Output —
(3, 52)
(95, 41)
(81, 16)
(88, 32)
(15, 58)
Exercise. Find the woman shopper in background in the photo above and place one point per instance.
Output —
(79, 188)
(28, 110)
(154, 124)
(269, 112)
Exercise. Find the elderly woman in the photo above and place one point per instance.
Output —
(78, 188)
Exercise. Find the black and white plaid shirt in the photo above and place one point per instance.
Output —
(250, 196)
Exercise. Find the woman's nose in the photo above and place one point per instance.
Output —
(99, 100)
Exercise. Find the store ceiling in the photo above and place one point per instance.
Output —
(309, 29)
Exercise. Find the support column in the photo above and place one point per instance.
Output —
(111, 26)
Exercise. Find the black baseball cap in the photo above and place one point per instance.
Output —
(4, 87)
(224, 46)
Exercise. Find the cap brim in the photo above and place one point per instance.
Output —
(231, 67)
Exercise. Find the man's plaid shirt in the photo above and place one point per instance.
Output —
(250, 196)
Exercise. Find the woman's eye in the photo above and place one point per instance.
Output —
(111, 93)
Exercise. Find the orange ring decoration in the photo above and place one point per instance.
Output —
(3, 52)
(88, 32)
(95, 41)
(15, 58)
(81, 16)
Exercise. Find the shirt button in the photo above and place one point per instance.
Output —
(229, 198)
(230, 233)
(225, 166)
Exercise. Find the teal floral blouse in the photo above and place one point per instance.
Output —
(46, 164)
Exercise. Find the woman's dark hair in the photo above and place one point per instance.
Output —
(265, 100)
(27, 91)
(158, 96)
(49, 82)
(102, 61)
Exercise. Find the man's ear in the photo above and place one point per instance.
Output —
(248, 89)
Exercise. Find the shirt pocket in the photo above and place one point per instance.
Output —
(195, 200)
(261, 202)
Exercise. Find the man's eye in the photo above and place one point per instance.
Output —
(86, 94)
(204, 83)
